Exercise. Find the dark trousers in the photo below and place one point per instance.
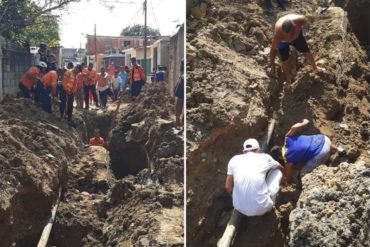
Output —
(115, 94)
(26, 93)
(269, 5)
(104, 96)
(66, 104)
(136, 88)
(45, 99)
(87, 89)
(37, 92)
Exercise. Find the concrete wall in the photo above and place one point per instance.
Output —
(14, 62)
(176, 53)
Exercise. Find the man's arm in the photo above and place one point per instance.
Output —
(288, 168)
(296, 127)
(275, 42)
(229, 184)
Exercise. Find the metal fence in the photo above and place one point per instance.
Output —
(14, 62)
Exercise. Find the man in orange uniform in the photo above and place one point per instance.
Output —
(30, 78)
(136, 78)
(89, 86)
(81, 79)
(49, 82)
(104, 87)
(97, 140)
(67, 97)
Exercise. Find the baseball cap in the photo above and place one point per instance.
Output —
(250, 144)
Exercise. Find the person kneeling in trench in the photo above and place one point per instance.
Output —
(97, 140)
(253, 180)
(303, 153)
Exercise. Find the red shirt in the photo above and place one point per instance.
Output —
(97, 141)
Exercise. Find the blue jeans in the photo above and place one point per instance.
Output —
(104, 96)
(87, 89)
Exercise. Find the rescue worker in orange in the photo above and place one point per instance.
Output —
(89, 86)
(30, 78)
(136, 78)
(49, 86)
(81, 80)
(97, 140)
(67, 97)
(104, 87)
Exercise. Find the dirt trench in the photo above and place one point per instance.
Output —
(230, 98)
(119, 196)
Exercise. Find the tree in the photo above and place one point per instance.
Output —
(21, 20)
(138, 30)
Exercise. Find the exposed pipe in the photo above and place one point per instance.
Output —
(47, 229)
(229, 233)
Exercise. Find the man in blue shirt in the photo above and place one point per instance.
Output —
(123, 76)
(303, 152)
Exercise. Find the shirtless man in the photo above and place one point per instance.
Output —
(288, 31)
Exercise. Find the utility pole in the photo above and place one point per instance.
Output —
(96, 58)
(145, 36)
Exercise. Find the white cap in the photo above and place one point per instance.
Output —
(250, 144)
(43, 64)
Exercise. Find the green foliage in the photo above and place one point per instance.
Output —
(29, 21)
(44, 30)
(138, 30)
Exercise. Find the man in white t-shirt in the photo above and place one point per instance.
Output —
(253, 180)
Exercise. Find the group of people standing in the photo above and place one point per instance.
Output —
(80, 82)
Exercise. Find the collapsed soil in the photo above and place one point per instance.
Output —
(230, 98)
(40, 153)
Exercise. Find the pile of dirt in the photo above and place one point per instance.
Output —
(35, 151)
(40, 154)
(230, 98)
(334, 207)
(147, 209)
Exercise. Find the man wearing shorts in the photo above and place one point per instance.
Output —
(288, 31)
(303, 152)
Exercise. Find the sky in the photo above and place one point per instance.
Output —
(78, 18)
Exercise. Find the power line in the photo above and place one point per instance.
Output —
(155, 19)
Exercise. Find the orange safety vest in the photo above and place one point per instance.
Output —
(50, 80)
(92, 77)
(136, 73)
(27, 80)
(69, 82)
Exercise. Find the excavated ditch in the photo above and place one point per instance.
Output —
(230, 98)
(110, 197)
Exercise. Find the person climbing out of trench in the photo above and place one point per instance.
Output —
(253, 179)
(288, 31)
(136, 78)
(303, 153)
(97, 140)
(29, 80)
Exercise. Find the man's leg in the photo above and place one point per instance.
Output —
(95, 96)
(70, 106)
(287, 72)
(86, 92)
(310, 59)
(268, 6)
(273, 180)
(179, 106)
(25, 92)
(63, 100)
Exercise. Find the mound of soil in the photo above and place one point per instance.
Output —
(101, 204)
(230, 99)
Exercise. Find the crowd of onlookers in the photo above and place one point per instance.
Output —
(81, 83)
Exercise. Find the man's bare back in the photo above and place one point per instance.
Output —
(298, 21)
